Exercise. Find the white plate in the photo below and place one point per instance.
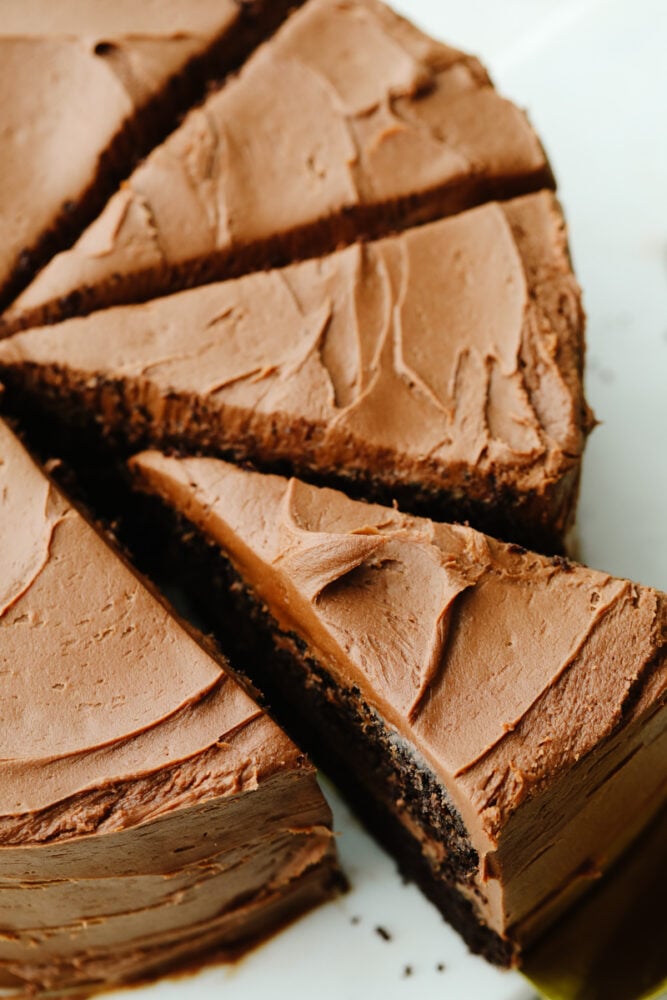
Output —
(593, 76)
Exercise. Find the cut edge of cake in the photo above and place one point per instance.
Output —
(441, 368)
(470, 811)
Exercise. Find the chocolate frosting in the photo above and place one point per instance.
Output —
(348, 106)
(72, 76)
(122, 746)
(532, 687)
(445, 355)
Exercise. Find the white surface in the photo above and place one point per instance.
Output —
(593, 76)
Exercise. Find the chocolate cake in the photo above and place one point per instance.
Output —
(149, 810)
(87, 89)
(412, 331)
(499, 716)
(349, 122)
(441, 367)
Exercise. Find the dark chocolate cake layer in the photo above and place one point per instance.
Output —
(441, 367)
(88, 88)
(149, 809)
(349, 122)
(509, 711)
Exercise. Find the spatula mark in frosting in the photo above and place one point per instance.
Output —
(118, 60)
(511, 680)
(136, 59)
(235, 348)
(390, 595)
(391, 566)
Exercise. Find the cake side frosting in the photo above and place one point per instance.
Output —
(134, 772)
(347, 108)
(529, 685)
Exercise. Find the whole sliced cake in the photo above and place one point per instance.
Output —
(88, 87)
(386, 304)
(441, 367)
(149, 810)
(349, 122)
(500, 716)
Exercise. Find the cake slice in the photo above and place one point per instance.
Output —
(499, 716)
(149, 810)
(441, 367)
(350, 122)
(87, 88)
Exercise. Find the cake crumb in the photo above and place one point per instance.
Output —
(383, 933)
(407, 971)
(355, 920)
(440, 967)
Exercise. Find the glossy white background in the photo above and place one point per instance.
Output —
(593, 76)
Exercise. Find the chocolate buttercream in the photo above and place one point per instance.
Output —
(348, 122)
(533, 689)
(448, 356)
(140, 787)
(86, 88)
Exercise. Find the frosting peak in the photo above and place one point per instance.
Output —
(396, 589)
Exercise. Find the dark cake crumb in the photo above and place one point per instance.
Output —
(440, 967)
(383, 933)
(407, 971)
(561, 562)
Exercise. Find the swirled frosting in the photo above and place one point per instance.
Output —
(347, 110)
(73, 77)
(142, 793)
(447, 356)
(535, 689)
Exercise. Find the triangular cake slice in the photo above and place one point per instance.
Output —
(87, 88)
(501, 716)
(149, 810)
(440, 367)
(349, 122)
